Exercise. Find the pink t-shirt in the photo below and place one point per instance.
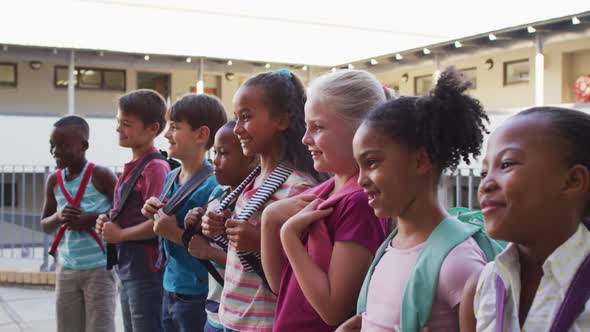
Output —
(352, 220)
(389, 280)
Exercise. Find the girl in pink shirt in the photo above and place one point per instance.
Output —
(316, 248)
(402, 148)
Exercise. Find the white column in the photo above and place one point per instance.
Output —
(539, 71)
(200, 82)
(437, 70)
(71, 85)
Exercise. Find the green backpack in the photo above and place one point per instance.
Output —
(421, 288)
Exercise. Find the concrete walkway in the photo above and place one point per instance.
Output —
(32, 310)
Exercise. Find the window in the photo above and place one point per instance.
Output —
(422, 85)
(470, 75)
(516, 72)
(159, 82)
(92, 78)
(7, 74)
(9, 194)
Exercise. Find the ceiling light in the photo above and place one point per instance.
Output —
(374, 62)
(350, 66)
(229, 62)
(188, 60)
(304, 68)
(267, 66)
(426, 51)
(491, 36)
(531, 29)
(458, 44)
(399, 57)
(575, 20)
(146, 58)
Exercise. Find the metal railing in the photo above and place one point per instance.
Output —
(22, 192)
(22, 241)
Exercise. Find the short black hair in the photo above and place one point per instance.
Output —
(447, 122)
(231, 124)
(147, 105)
(74, 121)
(571, 129)
(200, 110)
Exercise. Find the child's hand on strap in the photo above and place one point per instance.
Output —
(84, 222)
(151, 207)
(100, 221)
(111, 232)
(280, 211)
(213, 224)
(69, 213)
(193, 218)
(199, 247)
(242, 235)
(166, 227)
(298, 223)
(353, 324)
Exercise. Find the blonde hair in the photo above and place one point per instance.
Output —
(353, 92)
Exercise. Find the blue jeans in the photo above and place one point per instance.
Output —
(211, 328)
(141, 302)
(183, 313)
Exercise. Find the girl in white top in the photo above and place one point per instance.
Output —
(534, 191)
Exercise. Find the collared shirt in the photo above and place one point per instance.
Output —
(558, 271)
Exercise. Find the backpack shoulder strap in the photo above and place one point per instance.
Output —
(423, 281)
(182, 194)
(361, 305)
(127, 188)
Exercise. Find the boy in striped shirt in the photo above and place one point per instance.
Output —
(75, 195)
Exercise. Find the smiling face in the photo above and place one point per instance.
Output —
(258, 130)
(523, 177)
(387, 171)
(67, 146)
(231, 166)
(133, 133)
(183, 139)
(328, 137)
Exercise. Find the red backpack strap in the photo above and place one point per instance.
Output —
(76, 202)
(81, 189)
(95, 237)
(83, 184)
(58, 236)
(62, 187)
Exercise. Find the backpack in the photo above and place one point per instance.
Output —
(173, 163)
(423, 281)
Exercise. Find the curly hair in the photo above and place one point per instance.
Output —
(284, 93)
(448, 123)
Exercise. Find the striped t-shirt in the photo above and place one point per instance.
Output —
(78, 250)
(246, 303)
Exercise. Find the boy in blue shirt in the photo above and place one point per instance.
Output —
(193, 122)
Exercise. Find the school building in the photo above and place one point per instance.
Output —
(536, 63)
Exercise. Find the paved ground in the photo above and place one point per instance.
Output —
(32, 310)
